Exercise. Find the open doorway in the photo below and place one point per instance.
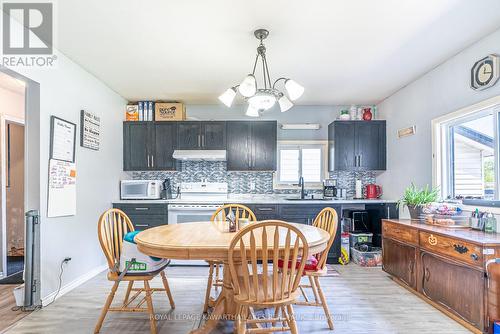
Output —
(12, 172)
(14, 196)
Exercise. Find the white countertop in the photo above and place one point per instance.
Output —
(260, 199)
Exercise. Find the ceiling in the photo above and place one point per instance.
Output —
(342, 52)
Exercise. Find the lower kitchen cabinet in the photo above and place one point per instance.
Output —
(400, 260)
(144, 216)
(455, 286)
(265, 211)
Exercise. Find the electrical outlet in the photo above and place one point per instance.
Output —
(252, 186)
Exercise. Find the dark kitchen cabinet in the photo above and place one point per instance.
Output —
(148, 145)
(188, 135)
(164, 140)
(214, 135)
(144, 216)
(136, 146)
(201, 135)
(400, 260)
(305, 214)
(357, 145)
(457, 287)
(251, 146)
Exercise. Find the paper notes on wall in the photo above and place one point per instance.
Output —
(62, 188)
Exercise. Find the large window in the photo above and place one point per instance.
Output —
(468, 155)
(296, 160)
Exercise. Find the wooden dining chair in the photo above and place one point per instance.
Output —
(112, 227)
(327, 220)
(239, 211)
(257, 279)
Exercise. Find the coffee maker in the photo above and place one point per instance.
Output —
(330, 188)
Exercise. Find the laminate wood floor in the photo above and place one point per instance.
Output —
(362, 300)
(7, 302)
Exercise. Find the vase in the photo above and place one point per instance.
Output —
(415, 212)
(367, 114)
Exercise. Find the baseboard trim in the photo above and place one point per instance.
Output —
(73, 284)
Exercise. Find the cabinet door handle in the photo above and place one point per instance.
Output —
(152, 160)
(359, 160)
(203, 140)
(265, 209)
(355, 161)
(199, 140)
(148, 162)
(141, 209)
(142, 225)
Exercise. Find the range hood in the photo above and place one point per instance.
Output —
(200, 155)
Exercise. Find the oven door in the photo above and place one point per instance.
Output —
(188, 213)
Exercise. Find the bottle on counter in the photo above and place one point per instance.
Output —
(490, 223)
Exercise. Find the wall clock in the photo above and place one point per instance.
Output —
(485, 72)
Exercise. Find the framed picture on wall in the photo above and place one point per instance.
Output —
(90, 130)
(62, 139)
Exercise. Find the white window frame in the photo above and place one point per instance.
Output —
(294, 144)
(441, 176)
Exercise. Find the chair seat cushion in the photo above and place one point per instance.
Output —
(143, 263)
(311, 263)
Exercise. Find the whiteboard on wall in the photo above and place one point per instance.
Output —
(62, 189)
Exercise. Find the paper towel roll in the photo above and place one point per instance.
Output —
(359, 189)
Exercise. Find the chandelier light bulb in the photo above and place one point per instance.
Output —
(248, 86)
(228, 96)
(285, 103)
(293, 89)
(262, 100)
(252, 111)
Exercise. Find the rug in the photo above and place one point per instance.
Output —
(16, 278)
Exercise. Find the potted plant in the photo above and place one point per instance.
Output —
(415, 199)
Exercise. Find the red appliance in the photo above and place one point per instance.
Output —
(373, 191)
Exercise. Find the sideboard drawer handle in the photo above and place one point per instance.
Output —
(432, 240)
(460, 248)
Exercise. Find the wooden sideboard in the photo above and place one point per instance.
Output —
(447, 268)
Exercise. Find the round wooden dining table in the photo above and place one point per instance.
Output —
(205, 241)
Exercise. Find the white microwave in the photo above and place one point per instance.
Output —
(140, 189)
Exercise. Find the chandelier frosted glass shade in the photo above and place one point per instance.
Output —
(285, 103)
(264, 97)
(228, 97)
(262, 100)
(293, 89)
(252, 111)
(248, 87)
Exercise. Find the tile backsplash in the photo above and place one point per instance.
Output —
(241, 182)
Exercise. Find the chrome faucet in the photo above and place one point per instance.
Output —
(301, 184)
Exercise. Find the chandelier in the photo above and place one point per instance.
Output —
(263, 98)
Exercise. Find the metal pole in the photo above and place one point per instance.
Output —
(31, 272)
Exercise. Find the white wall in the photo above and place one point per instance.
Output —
(11, 103)
(323, 115)
(64, 91)
(442, 90)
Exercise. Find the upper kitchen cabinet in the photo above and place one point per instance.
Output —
(164, 139)
(357, 145)
(201, 135)
(251, 146)
(136, 142)
(149, 145)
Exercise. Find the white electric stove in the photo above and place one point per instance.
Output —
(197, 202)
